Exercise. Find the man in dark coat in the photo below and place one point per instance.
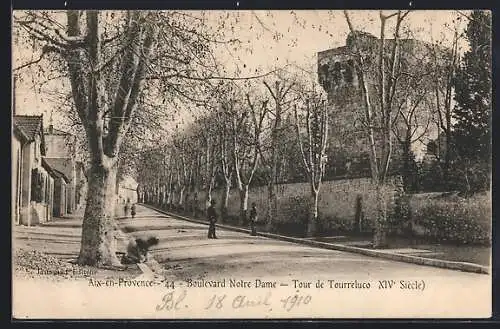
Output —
(126, 207)
(253, 219)
(132, 210)
(212, 218)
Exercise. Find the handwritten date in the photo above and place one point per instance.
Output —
(177, 301)
(295, 301)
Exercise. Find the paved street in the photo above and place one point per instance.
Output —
(184, 245)
(240, 276)
(186, 253)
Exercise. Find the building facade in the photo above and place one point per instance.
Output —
(126, 189)
(32, 184)
(60, 154)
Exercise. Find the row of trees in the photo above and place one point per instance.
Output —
(125, 67)
(250, 127)
(260, 135)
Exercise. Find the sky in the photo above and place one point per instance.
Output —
(307, 32)
(269, 39)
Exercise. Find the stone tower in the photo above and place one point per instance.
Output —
(337, 76)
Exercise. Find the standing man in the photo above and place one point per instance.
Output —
(132, 210)
(126, 207)
(212, 218)
(253, 219)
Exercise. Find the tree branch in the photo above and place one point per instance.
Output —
(45, 50)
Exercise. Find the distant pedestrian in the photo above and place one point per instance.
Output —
(253, 219)
(212, 218)
(126, 207)
(132, 210)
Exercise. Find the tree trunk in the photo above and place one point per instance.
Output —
(195, 203)
(447, 155)
(208, 196)
(243, 204)
(467, 179)
(158, 194)
(165, 196)
(187, 203)
(139, 198)
(271, 205)
(152, 193)
(407, 169)
(313, 214)
(171, 198)
(225, 201)
(358, 217)
(181, 197)
(380, 236)
(98, 238)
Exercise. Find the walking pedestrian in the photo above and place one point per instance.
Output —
(253, 219)
(212, 218)
(132, 210)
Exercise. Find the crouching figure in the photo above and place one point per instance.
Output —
(137, 250)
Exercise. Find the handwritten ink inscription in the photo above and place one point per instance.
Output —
(264, 299)
(172, 301)
(177, 300)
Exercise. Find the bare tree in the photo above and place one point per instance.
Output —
(412, 104)
(386, 88)
(446, 64)
(413, 125)
(90, 96)
(245, 147)
(226, 161)
(313, 149)
(279, 93)
(208, 128)
(184, 168)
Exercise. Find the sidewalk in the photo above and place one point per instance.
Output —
(409, 255)
(51, 249)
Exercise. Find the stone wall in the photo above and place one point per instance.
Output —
(337, 200)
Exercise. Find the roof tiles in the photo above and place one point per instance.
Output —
(29, 125)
